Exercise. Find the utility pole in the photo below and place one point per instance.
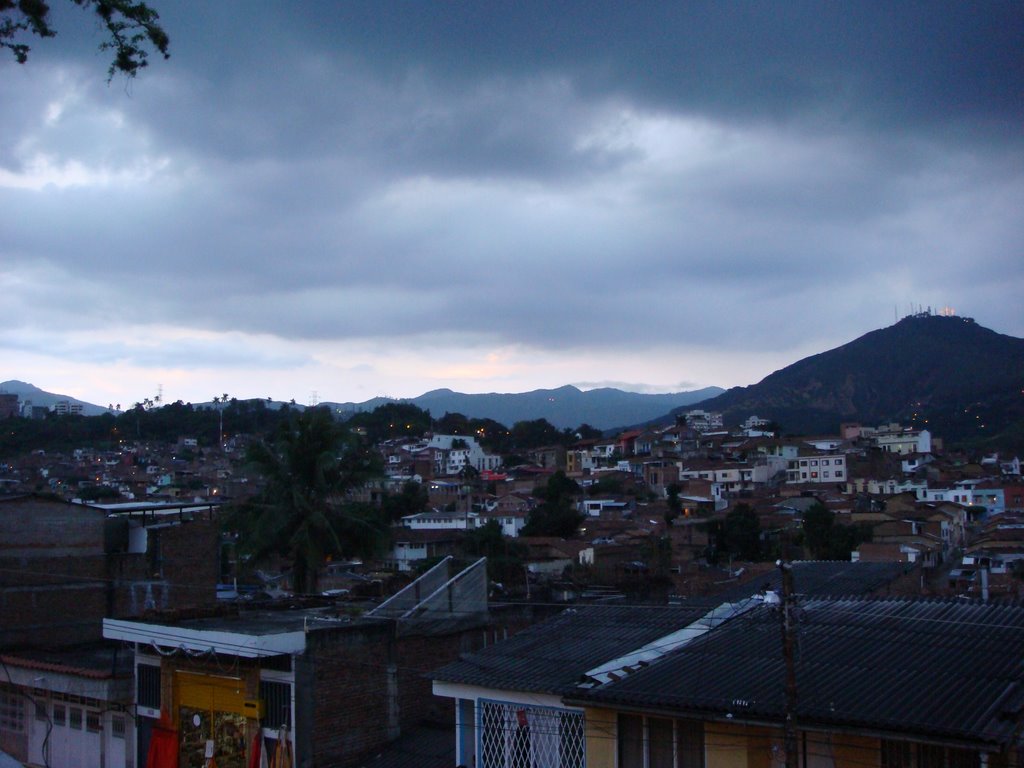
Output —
(788, 632)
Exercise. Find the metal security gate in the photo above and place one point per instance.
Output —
(525, 736)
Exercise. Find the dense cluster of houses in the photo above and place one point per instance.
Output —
(116, 651)
(922, 505)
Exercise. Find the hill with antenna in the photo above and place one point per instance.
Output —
(960, 380)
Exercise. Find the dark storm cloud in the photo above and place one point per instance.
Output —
(922, 61)
(565, 176)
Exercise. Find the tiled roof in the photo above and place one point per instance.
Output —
(97, 661)
(553, 656)
(937, 669)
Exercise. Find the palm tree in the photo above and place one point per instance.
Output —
(303, 512)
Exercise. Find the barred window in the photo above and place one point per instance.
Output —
(277, 701)
(92, 721)
(147, 677)
(12, 711)
(117, 726)
(75, 718)
(58, 714)
(525, 736)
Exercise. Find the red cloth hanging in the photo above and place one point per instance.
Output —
(163, 749)
(257, 748)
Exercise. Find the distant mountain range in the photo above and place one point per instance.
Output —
(962, 381)
(565, 407)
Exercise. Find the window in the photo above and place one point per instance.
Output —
(654, 742)
(12, 711)
(277, 700)
(895, 754)
(92, 721)
(117, 726)
(147, 677)
(903, 754)
(523, 736)
(58, 714)
(41, 713)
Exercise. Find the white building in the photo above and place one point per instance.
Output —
(817, 468)
(437, 520)
(704, 421)
(904, 441)
(455, 452)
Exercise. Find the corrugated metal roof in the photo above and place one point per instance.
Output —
(941, 669)
(553, 656)
(825, 578)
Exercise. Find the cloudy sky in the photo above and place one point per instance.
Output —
(376, 198)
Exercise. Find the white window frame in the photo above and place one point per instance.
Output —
(12, 711)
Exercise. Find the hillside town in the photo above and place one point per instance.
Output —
(140, 630)
(511, 384)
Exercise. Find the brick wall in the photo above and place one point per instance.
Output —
(52, 572)
(369, 683)
(57, 583)
(352, 706)
(183, 576)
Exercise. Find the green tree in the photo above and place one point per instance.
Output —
(742, 532)
(606, 485)
(452, 424)
(826, 540)
(557, 514)
(132, 30)
(504, 556)
(675, 505)
(410, 500)
(586, 432)
(392, 420)
(535, 434)
(303, 512)
(818, 522)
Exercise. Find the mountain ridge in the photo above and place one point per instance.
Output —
(959, 379)
(564, 407)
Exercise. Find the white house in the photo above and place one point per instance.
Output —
(817, 468)
(455, 452)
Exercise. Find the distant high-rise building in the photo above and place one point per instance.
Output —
(8, 405)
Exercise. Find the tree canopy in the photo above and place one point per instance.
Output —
(742, 533)
(557, 514)
(827, 540)
(303, 513)
(132, 30)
